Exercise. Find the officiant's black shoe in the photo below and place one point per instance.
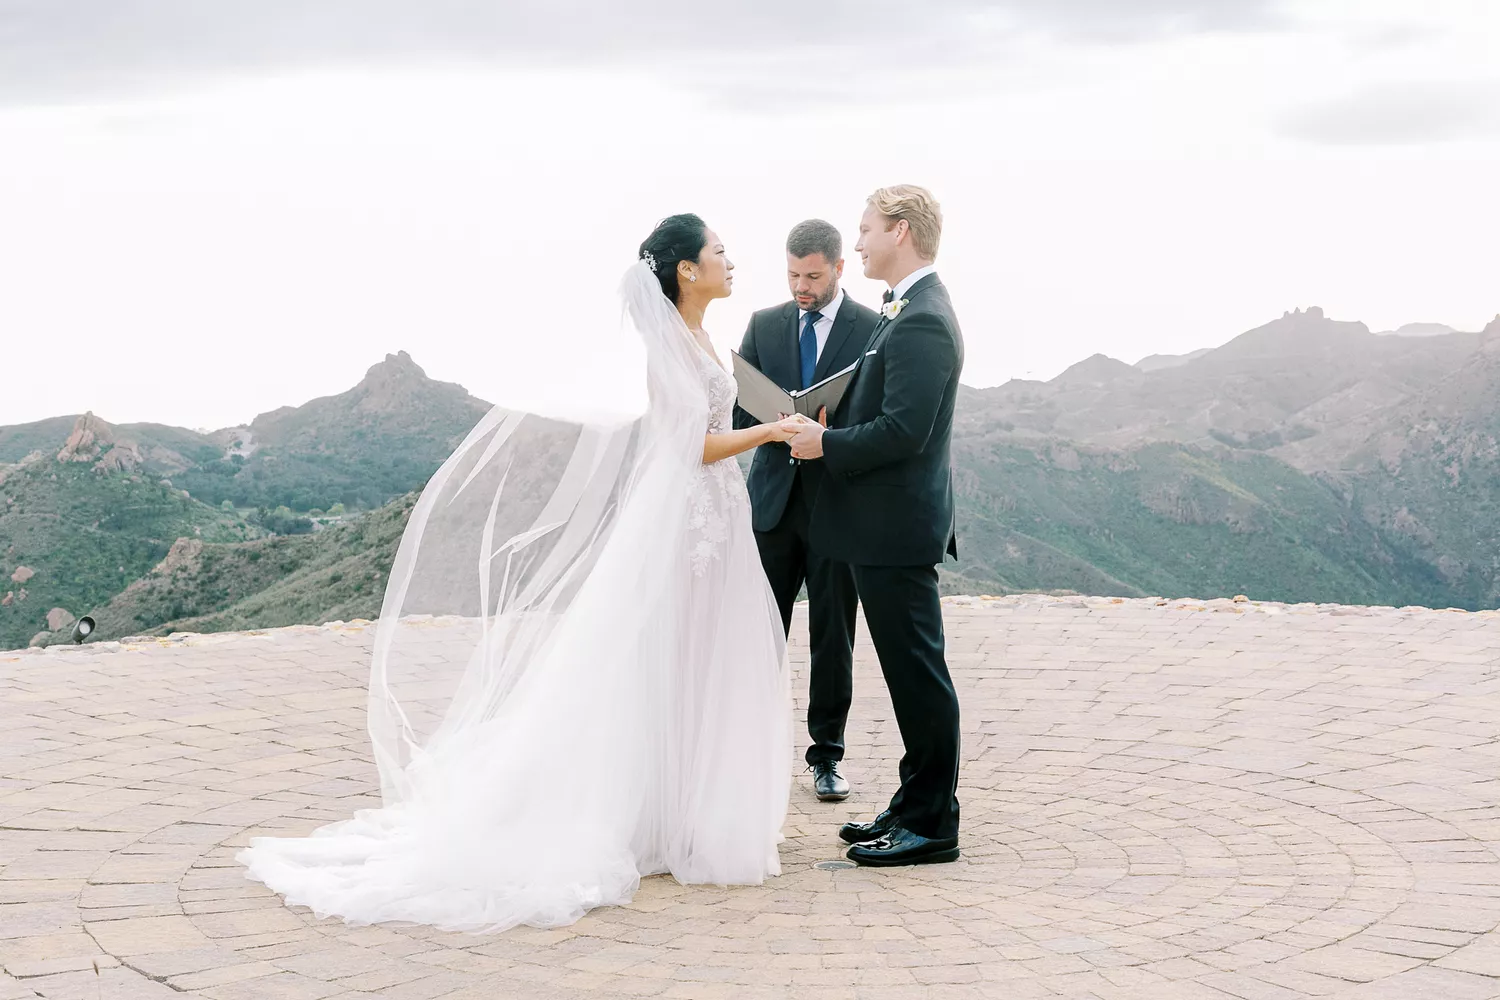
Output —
(900, 846)
(828, 783)
(858, 833)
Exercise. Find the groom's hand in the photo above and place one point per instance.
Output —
(808, 441)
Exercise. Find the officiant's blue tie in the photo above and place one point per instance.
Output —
(809, 345)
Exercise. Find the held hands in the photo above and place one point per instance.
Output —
(807, 441)
(785, 428)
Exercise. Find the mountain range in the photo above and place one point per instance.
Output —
(88, 509)
(358, 448)
(1309, 459)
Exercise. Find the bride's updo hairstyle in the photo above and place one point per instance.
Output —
(675, 238)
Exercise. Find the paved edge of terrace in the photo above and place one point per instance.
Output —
(1222, 605)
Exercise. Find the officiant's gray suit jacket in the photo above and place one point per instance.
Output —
(771, 345)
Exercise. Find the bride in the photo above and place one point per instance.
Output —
(578, 676)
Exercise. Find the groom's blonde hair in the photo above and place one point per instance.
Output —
(920, 210)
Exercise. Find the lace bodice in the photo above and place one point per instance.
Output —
(718, 492)
(722, 393)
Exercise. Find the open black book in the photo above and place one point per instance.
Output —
(766, 401)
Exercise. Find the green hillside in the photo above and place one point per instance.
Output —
(1430, 474)
(1171, 520)
(72, 537)
(19, 440)
(87, 509)
(336, 574)
(361, 448)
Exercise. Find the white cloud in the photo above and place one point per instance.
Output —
(51, 50)
(1405, 113)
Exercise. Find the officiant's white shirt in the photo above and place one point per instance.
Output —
(824, 326)
(911, 279)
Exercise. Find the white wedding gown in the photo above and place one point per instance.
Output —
(579, 673)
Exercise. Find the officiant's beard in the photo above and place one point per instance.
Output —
(819, 303)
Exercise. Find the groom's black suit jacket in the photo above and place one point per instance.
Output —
(771, 345)
(889, 498)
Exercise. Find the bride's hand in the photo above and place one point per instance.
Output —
(785, 428)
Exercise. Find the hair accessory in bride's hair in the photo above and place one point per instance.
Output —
(649, 259)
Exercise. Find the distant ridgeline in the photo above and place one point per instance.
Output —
(87, 508)
(1306, 460)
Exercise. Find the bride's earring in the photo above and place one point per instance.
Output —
(692, 277)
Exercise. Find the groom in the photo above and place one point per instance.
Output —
(797, 344)
(886, 508)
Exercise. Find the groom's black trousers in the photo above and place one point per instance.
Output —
(831, 603)
(905, 619)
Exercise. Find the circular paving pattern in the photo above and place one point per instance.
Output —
(1159, 800)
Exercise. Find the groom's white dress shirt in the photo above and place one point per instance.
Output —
(902, 287)
(824, 326)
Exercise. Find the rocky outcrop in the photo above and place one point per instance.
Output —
(1490, 335)
(89, 437)
(93, 440)
(394, 384)
(22, 574)
(57, 618)
(182, 552)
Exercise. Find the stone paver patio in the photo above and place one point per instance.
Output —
(1161, 800)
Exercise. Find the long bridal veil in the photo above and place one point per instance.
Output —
(558, 704)
(503, 548)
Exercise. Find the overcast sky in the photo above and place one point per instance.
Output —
(210, 209)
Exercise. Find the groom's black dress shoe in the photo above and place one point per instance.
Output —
(902, 847)
(828, 783)
(858, 833)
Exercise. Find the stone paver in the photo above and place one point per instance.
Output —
(1162, 801)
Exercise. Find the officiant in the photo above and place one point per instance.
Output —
(797, 344)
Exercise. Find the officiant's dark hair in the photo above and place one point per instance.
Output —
(816, 236)
(675, 238)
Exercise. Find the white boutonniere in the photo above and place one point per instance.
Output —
(890, 310)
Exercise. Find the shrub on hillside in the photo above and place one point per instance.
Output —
(281, 521)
